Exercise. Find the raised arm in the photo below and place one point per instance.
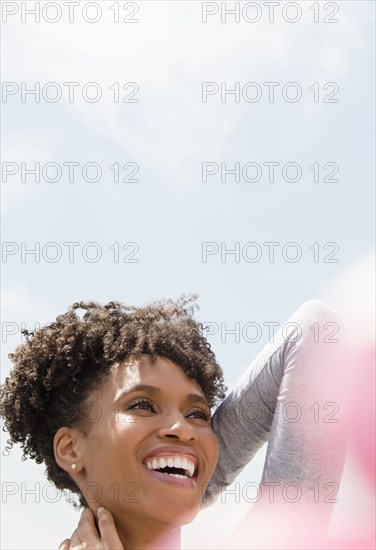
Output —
(292, 395)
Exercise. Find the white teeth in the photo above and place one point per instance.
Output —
(191, 469)
(179, 476)
(178, 463)
(184, 463)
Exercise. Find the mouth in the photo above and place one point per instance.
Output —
(177, 470)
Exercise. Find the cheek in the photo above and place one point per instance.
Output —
(108, 442)
(111, 465)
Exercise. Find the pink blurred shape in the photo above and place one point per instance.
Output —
(362, 421)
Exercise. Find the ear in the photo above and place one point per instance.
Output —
(68, 449)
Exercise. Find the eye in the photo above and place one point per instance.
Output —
(142, 404)
(201, 414)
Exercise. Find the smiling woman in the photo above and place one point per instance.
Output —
(117, 404)
(148, 462)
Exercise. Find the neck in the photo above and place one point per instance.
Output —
(149, 537)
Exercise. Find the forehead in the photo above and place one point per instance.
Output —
(162, 373)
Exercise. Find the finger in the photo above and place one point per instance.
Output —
(109, 536)
(86, 530)
(75, 543)
(65, 545)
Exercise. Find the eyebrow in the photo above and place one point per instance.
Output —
(153, 390)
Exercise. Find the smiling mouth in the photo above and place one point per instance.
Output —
(172, 469)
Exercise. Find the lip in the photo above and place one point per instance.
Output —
(174, 450)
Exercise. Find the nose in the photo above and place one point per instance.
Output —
(177, 428)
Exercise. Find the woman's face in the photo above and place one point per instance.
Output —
(146, 417)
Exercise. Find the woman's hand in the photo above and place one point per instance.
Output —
(86, 535)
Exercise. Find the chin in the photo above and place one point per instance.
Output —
(178, 515)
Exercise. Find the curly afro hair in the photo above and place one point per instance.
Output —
(60, 364)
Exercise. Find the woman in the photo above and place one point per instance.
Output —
(116, 402)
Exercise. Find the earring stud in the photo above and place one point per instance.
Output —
(73, 466)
